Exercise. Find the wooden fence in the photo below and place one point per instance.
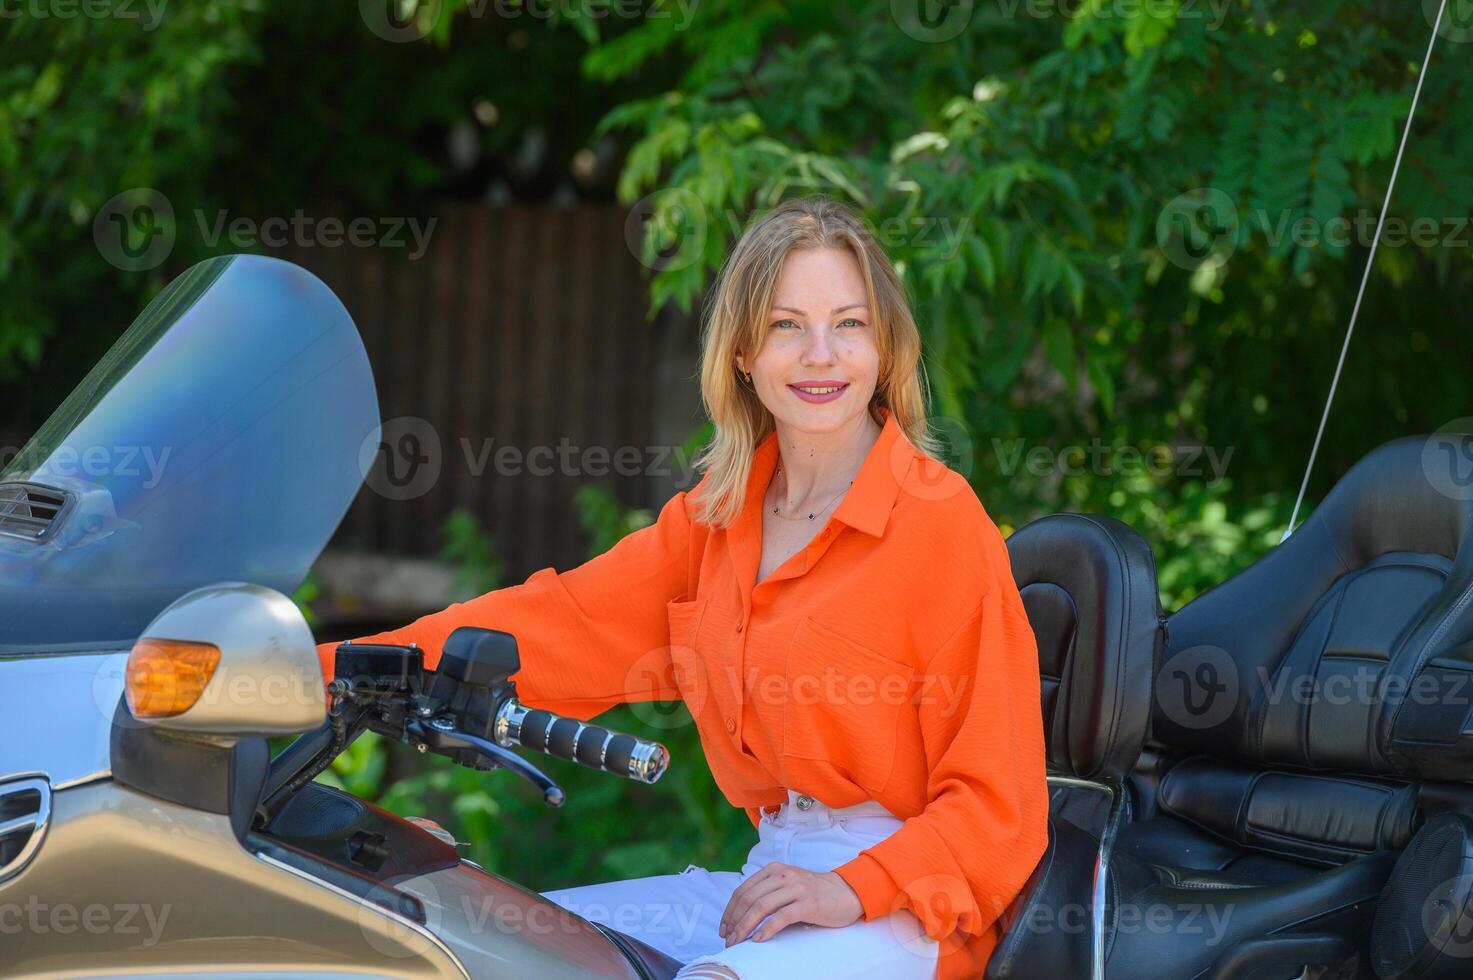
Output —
(523, 327)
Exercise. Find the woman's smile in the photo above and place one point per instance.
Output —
(818, 391)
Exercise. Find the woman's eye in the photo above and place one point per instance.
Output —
(785, 324)
(851, 322)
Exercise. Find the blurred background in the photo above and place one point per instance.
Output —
(1132, 231)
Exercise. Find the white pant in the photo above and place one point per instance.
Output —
(679, 914)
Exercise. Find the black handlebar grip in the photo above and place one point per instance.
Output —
(578, 741)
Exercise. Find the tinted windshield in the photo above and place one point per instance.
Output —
(218, 440)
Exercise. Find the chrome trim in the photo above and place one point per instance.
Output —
(360, 904)
(577, 735)
(1119, 811)
(72, 698)
(268, 680)
(508, 728)
(37, 821)
(603, 750)
(50, 525)
(90, 777)
(647, 761)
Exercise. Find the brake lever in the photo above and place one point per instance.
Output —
(441, 735)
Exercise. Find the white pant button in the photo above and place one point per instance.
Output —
(805, 802)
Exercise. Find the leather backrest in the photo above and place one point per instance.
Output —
(1349, 647)
(1089, 586)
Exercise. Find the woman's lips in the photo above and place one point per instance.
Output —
(829, 392)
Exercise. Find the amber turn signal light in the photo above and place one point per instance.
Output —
(166, 677)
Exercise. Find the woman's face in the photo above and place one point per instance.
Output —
(820, 336)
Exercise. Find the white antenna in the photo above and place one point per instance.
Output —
(1366, 275)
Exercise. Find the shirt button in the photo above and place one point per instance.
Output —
(730, 726)
(739, 626)
(805, 802)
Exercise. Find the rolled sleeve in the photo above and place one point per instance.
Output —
(589, 638)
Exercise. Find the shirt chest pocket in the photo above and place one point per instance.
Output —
(691, 680)
(843, 704)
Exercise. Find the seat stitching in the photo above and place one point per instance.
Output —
(1320, 659)
(1426, 652)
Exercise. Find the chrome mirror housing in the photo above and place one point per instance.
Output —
(228, 659)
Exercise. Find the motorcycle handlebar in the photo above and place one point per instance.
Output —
(577, 741)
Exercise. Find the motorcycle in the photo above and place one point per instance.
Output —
(1215, 814)
(149, 535)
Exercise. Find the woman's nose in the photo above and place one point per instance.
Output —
(819, 348)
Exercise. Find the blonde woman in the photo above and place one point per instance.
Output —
(837, 610)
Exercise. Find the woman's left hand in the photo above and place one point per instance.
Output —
(789, 895)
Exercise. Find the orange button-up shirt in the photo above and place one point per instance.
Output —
(889, 659)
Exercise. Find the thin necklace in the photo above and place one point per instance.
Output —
(811, 514)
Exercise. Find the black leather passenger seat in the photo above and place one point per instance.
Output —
(1309, 714)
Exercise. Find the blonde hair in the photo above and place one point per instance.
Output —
(736, 317)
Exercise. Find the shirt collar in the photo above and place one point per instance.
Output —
(867, 505)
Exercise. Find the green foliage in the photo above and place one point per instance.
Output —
(306, 594)
(1018, 177)
(504, 823)
(470, 550)
(89, 107)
